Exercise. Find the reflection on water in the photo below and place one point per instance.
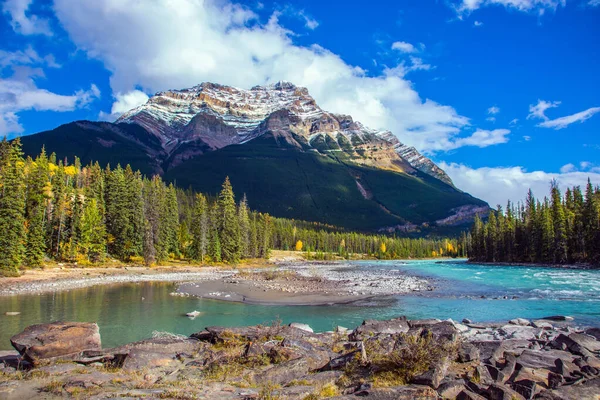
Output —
(132, 312)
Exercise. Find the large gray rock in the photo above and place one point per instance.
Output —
(374, 327)
(468, 352)
(434, 376)
(409, 392)
(501, 392)
(56, 340)
(543, 359)
(285, 373)
(155, 353)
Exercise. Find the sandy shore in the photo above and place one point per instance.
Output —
(306, 284)
(57, 279)
(289, 282)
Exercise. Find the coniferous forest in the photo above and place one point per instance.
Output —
(56, 210)
(556, 230)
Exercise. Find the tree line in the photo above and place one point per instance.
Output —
(557, 230)
(53, 210)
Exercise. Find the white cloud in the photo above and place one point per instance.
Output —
(482, 138)
(594, 3)
(123, 103)
(404, 47)
(493, 110)
(309, 22)
(563, 122)
(188, 41)
(23, 94)
(527, 138)
(478, 24)
(514, 122)
(585, 165)
(539, 6)
(21, 19)
(567, 168)
(497, 185)
(539, 110)
(491, 119)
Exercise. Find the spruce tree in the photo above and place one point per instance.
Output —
(35, 212)
(559, 225)
(244, 222)
(200, 229)
(228, 225)
(93, 234)
(12, 208)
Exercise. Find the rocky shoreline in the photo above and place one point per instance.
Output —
(395, 359)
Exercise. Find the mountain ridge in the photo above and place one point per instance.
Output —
(289, 156)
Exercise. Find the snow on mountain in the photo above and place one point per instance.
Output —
(219, 116)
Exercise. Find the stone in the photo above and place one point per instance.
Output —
(543, 359)
(501, 392)
(443, 330)
(558, 318)
(418, 323)
(595, 332)
(482, 375)
(321, 378)
(518, 332)
(588, 342)
(373, 327)
(509, 367)
(434, 376)
(519, 321)
(451, 389)
(409, 392)
(541, 324)
(466, 321)
(343, 360)
(56, 340)
(284, 373)
(555, 380)
(468, 352)
(300, 326)
(587, 390)
(58, 369)
(155, 353)
(468, 395)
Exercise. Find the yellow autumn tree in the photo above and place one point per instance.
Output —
(383, 247)
(299, 245)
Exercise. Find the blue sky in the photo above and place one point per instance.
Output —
(503, 94)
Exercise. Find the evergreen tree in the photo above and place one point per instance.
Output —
(228, 225)
(244, 223)
(93, 234)
(559, 225)
(12, 208)
(35, 211)
(200, 229)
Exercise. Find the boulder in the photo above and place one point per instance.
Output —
(519, 321)
(155, 353)
(587, 390)
(501, 392)
(56, 340)
(284, 373)
(595, 332)
(588, 342)
(558, 318)
(442, 330)
(451, 389)
(373, 327)
(518, 332)
(575, 343)
(418, 323)
(541, 324)
(543, 359)
(434, 376)
(409, 392)
(468, 395)
(468, 352)
(300, 326)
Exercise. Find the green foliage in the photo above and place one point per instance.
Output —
(228, 227)
(558, 230)
(12, 206)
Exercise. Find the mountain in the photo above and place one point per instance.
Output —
(289, 156)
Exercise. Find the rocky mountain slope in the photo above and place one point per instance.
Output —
(292, 158)
(218, 116)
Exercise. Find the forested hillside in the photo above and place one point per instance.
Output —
(557, 230)
(53, 210)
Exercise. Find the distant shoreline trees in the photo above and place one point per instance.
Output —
(556, 230)
(53, 210)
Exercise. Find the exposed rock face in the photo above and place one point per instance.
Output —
(59, 339)
(209, 116)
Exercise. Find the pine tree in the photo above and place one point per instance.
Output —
(12, 208)
(228, 225)
(35, 211)
(93, 234)
(200, 229)
(244, 223)
(559, 225)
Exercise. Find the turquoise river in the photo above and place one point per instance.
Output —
(132, 312)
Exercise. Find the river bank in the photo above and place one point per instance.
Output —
(393, 359)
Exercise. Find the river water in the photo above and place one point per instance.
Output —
(131, 312)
